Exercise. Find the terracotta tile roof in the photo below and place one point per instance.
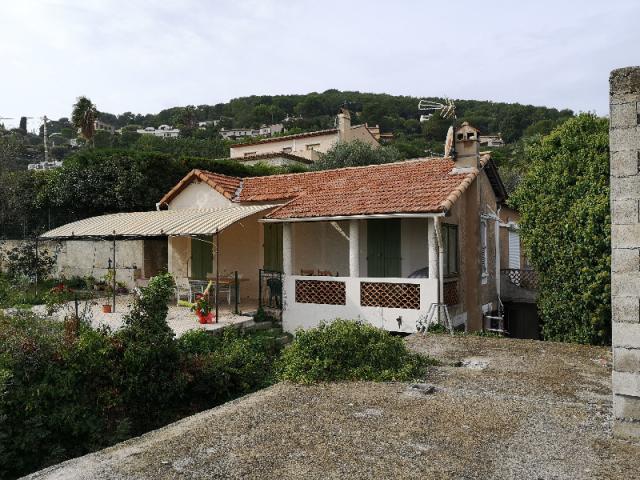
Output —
(224, 184)
(425, 185)
(415, 186)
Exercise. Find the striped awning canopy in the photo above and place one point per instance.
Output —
(156, 223)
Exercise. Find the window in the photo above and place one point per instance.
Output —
(450, 248)
(313, 146)
(483, 248)
(250, 154)
(286, 150)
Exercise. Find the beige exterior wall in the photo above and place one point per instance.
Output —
(241, 249)
(360, 132)
(298, 146)
(274, 162)
(179, 256)
(199, 195)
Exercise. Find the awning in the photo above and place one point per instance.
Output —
(156, 223)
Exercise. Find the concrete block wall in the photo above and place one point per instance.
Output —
(624, 140)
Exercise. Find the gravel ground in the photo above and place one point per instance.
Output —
(515, 410)
(180, 319)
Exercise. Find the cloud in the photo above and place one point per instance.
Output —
(143, 56)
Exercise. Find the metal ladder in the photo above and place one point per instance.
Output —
(433, 311)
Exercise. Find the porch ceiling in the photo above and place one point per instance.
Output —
(156, 223)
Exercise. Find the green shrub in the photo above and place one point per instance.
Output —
(222, 367)
(348, 350)
(67, 389)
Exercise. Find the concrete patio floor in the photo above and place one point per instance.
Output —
(180, 319)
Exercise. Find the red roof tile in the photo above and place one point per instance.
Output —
(427, 185)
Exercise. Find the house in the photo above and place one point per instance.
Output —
(164, 131)
(308, 145)
(381, 243)
(44, 165)
(264, 130)
(492, 140)
(101, 126)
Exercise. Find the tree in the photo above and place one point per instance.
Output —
(84, 116)
(354, 154)
(565, 224)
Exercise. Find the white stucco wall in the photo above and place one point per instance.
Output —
(307, 315)
(414, 245)
(199, 195)
(319, 246)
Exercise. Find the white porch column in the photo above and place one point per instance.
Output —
(354, 248)
(433, 248)
(287, 249)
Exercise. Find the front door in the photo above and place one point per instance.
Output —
(383, 248)
(201, 257)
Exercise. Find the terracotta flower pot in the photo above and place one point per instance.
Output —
(106, 308)
(208, 318)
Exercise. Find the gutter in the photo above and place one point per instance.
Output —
(352, 217)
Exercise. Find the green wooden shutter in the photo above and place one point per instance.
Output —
(201, 257)
(273, 246)
(383, 248)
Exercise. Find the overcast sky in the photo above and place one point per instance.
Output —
(143, 56)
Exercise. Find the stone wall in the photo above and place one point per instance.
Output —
(624, 138)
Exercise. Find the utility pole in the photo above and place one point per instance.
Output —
(46, 147)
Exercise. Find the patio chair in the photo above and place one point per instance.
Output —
(275, 292)
(183, 290)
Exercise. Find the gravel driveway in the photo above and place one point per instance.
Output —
(501, 409)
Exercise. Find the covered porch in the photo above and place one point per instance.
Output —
(219, 248)
(382, 269)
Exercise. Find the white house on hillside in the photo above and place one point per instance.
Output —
(164, 131)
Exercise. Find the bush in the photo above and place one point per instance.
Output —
(565, 226)
(67, 389)
(222, 367)
(348, 350)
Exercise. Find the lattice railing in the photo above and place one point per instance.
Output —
(390, 295)
(450, 293)
(522, 278)
(321, 292)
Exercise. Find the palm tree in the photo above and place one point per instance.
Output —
(84, 117)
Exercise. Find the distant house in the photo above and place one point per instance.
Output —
(44, 165)
(164, 131)
(308, 145)
(264, 130)
(492, 140)
(204, 124)
(101, 126)
(385, 244)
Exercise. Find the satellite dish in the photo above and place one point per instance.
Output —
(448, 143)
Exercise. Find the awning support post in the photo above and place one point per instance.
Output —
(36, 269)
(217, 272)
(113, 287)
(236, 292)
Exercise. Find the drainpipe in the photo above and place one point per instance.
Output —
(498, 266)
(436, 222)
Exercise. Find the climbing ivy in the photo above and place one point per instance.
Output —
(565, 226)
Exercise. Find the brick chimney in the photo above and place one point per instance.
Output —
(467, 144)
(344, 125)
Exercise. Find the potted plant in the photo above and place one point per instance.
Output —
(108, 290)
(202, 309)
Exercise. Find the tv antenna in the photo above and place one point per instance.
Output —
(447, 108)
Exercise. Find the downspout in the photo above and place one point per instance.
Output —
(436, 224)
(498, 266)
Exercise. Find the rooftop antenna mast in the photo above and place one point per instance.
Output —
(447, 110)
